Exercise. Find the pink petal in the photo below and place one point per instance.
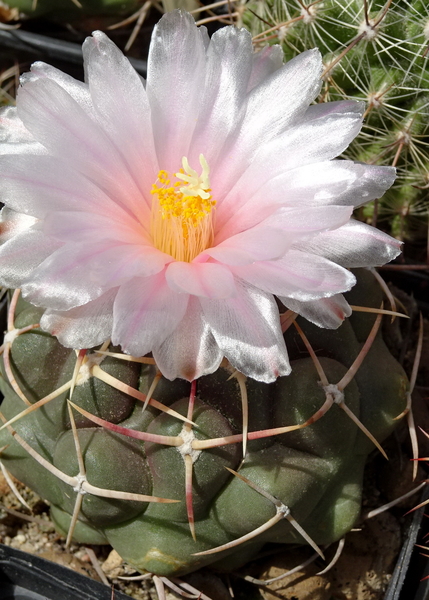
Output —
(298, 275)
(79, 227)
(259, 243)
(209, 280)
(59, 123)
(191, 350)
(146, 311)
(324, 312)
(78, 273)
(265, 62)
(354, 245)
(61, 281)
(84, 326)
(37, 185)
(117, 264)
(247, 331)
(20, 255)
(175, 83)
(122, 106)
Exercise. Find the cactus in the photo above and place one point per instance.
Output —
(182, 496)
(376, 51)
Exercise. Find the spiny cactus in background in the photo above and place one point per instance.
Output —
(378, 52)
(111, 470)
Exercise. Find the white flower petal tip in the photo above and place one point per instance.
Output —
(167, 215)
(328, 313)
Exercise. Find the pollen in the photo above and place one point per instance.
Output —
(182, 211)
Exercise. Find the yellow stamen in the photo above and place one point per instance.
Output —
(182, 215)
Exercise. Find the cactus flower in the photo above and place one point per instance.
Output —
(168, 215)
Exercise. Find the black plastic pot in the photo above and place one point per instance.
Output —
(411, 567)
(27, 577)
(52, 50)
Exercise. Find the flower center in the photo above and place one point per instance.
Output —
(182, 212)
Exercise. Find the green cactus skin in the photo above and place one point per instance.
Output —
(315, 471)
(66, 9)
(383, 59)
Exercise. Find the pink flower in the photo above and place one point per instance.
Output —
(168, 214)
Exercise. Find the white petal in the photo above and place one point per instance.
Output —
(14, 137)
(12, 130)
(175, 83)
(308, 220)
(275, 104)
(78, 90)
(85, 326)
(204, 36)
(325, 312)
(307, 143)
(145, 312)
(78, 273)
(265, 62)
(340, 182)
(282, 98)
(327, 183)
(291, 222)
(323, 109)
(354, 245)
(122, 106)
(259, 243)
(191, 350)
(298, 275)
(229, 66)
(209, 280)
(20, 255)
(12, 223)
(321, 138)
(247, 331)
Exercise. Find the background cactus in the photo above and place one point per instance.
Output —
(302, 473)
(378, 52)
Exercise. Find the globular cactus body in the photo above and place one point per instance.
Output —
(310, 476)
